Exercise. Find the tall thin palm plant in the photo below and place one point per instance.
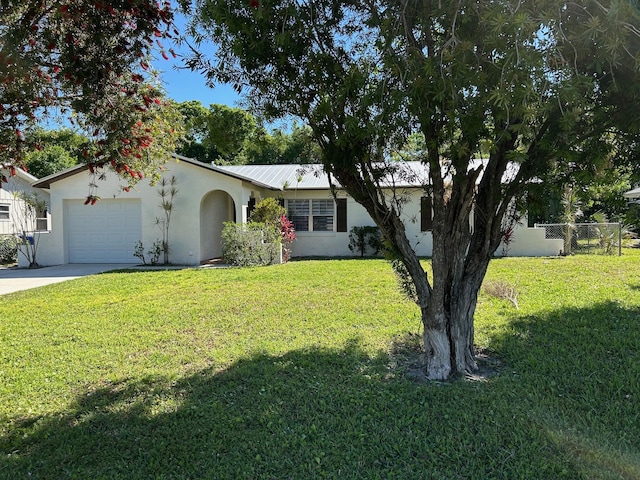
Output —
(167, 192)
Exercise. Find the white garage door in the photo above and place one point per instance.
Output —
(103, 233)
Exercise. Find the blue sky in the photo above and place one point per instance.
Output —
(183, 85)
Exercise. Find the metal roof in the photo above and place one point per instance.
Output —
(313, 177)
(299, 177)
(282, 177)
(635, 193)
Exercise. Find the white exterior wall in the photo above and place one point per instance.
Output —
(8, 226)
(18, 183)
(527, 242)
(194, 184)
(337, 243)
(531, 242)
(208, 196)
(422, 242)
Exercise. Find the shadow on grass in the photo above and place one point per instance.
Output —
(343, 414)
(581, 371)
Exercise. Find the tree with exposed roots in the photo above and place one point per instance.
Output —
(536, 83)
(87, 63)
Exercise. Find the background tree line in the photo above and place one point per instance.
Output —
(233, 136)
(220, 134)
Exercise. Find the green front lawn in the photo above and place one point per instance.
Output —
(298, 372)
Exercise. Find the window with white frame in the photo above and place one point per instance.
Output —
(311, 215)
(322, 211)
(4, 211)
(299, 214)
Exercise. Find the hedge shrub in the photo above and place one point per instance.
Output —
(251, 244)
(8, 249)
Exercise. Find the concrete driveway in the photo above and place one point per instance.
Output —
(15, 279)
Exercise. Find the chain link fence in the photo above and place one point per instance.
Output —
(587, 238)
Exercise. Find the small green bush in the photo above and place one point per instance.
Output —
(363, 238)
(154, 252)
(271, 213)
(267, 211)
(251, 244)
(8, 249)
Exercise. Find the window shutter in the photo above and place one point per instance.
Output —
(426, 214)
(341, 214)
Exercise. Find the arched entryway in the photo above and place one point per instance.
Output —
(217, 207)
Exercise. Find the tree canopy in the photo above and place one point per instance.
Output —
(86, 62)
(58, 149)
(49, 160)
(536, 84)
(231, 135)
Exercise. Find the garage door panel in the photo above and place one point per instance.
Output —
(103, 233)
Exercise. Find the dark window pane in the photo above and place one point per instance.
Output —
(323, 223)
(300, 222)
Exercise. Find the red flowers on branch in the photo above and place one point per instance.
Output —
(84, 60)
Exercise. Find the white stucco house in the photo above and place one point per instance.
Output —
(12, 209)
(210, 195)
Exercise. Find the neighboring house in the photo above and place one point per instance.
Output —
(210, 195)
(632, 196)
(12, 208)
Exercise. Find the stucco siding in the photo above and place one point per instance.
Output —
(208, 196)
(193, 184)
(337, 243)
(531, 242)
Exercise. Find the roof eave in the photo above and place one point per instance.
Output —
(46, 182)
(69, 172)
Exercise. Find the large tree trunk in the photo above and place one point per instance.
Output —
(448, 304)
(448, 319)
(448, 325)
(461, 254)
(459, 260)
(447, 307)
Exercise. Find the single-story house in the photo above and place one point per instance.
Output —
(12, 206)
(209, 195)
